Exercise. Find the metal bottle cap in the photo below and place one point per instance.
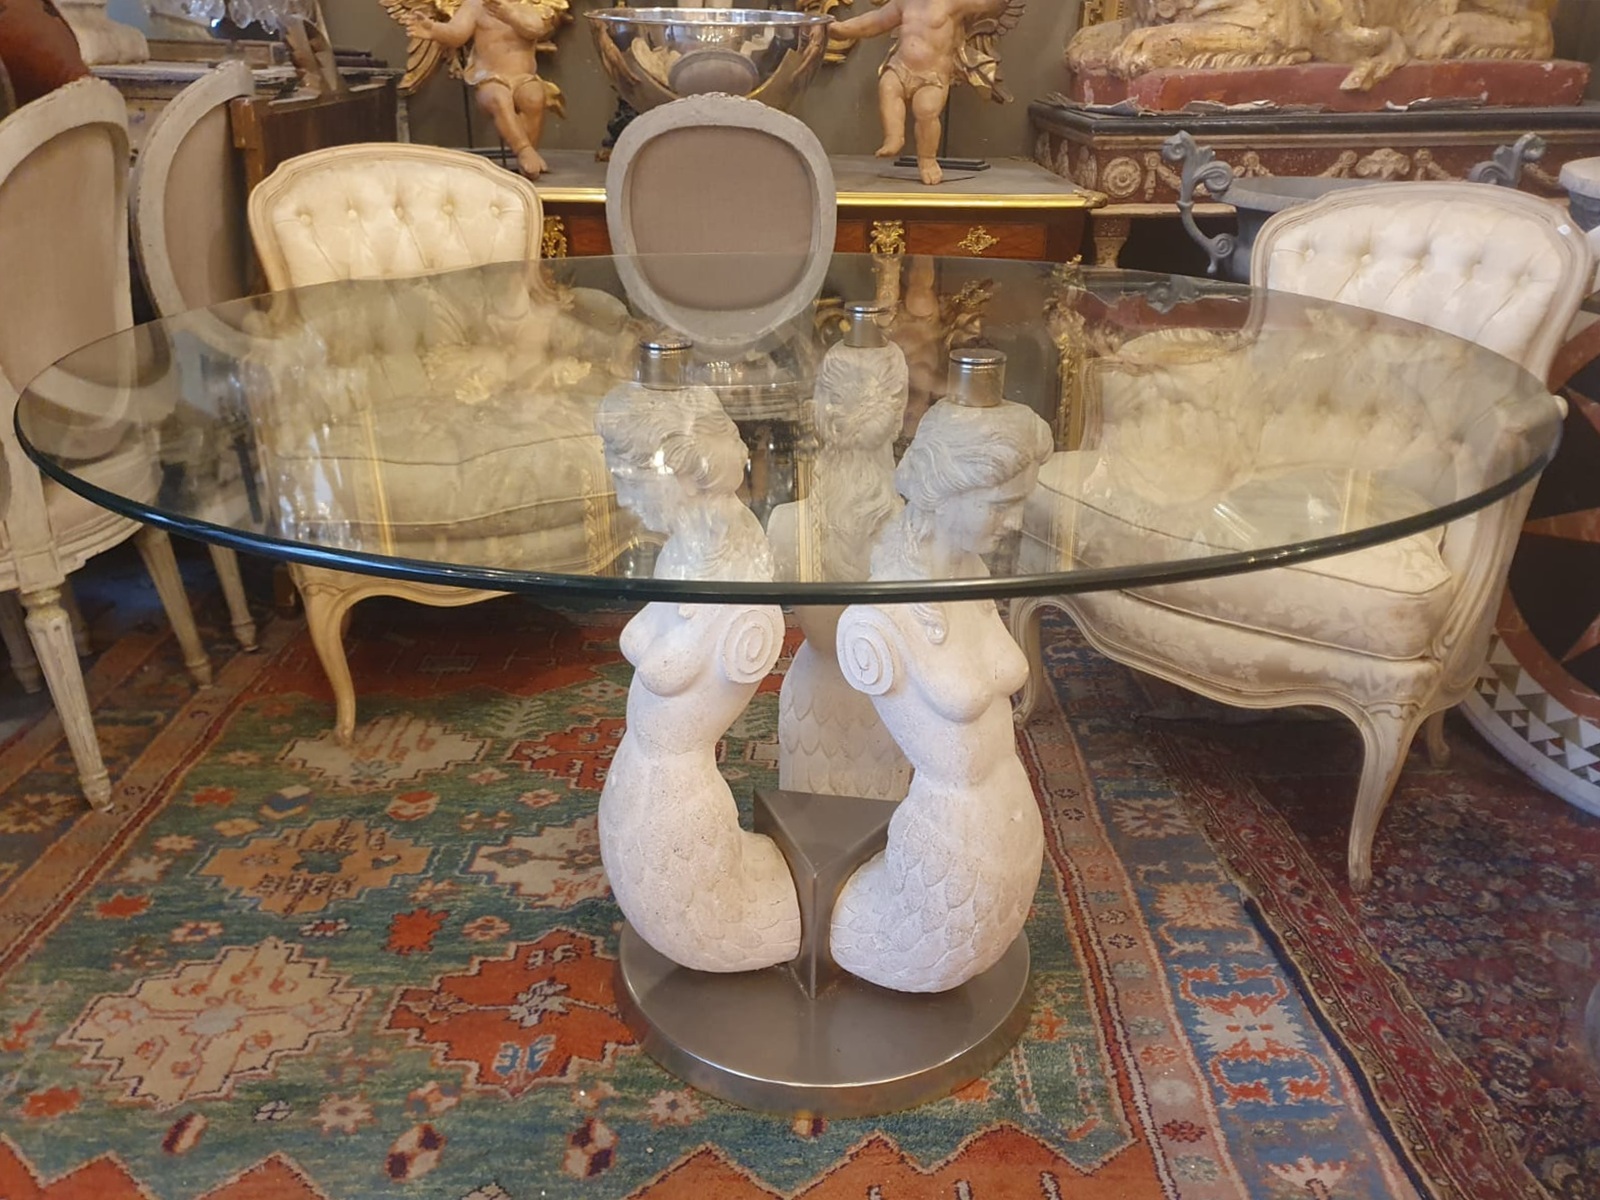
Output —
(977, 377)
(663, 362)
(866, 319)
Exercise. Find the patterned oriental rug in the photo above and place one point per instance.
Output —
(1459, 982)
(289, 969)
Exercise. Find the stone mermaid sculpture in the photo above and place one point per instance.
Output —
(952, 888)
(829, 737)
(697, 887)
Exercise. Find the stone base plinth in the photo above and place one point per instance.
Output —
(1493, 82)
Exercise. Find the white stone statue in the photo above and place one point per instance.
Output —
(830, 739)
(952, 889)
(697, 887)
(102, 41)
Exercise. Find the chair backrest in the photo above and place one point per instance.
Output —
(384, 210)
(63, 266)
(711, 175)
(1495, 266)
(187, 188)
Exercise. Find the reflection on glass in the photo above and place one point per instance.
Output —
(829, 737)
(974, 460)
(678, 461)
(1307, 424)
(450, 416)
(857, 410)
(451, 420)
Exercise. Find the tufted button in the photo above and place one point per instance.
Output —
(353, 213)
(305, 218)
(447, 208)
(494, 210)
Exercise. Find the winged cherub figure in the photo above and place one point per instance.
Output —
(496, 44)
(937, 43)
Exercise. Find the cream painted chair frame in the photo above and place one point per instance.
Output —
(329, 595)
(727, 112)
(39, 560)
(151, 194)
(1387, 727)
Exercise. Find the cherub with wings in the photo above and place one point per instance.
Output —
(495, 45)
(937, 43)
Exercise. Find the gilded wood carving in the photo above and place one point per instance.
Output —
(1373, 37)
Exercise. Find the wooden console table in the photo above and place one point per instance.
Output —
(1015, 209)
(1120, 156)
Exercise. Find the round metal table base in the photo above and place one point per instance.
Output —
(756, 1040)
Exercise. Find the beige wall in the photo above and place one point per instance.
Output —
(840, 106)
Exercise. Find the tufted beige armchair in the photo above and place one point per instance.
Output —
(391, 211)
(1390, 636)
(385, 210)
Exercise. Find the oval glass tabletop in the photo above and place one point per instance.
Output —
(896, 428)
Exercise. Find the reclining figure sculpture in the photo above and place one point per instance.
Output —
(1374, 37)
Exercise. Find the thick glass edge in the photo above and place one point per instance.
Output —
(910, 591)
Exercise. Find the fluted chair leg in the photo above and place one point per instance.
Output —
(80, 627)
(50, 631)
(15, 635)
(156, 550)
(226, 564)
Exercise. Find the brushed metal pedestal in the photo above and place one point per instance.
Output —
(805, 1038)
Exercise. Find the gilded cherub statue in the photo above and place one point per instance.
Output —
(495, 45)
(937, 43)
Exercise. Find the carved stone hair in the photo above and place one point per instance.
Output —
(684, 431)
(959, 449)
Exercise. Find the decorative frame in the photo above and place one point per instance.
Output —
(1098, 12)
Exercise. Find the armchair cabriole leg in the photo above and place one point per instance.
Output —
(1438, 747)
(1023, 620)
(327, 613)
(1386, 737)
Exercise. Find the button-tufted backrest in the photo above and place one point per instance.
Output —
(384, 210)
(1487, 264)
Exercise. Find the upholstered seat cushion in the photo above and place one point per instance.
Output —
(425, 471)
(1383, 600)
(76, 523)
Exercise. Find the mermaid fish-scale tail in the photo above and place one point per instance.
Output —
(932, 910)
(720, 899)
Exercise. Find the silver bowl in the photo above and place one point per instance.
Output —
(655, 55)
